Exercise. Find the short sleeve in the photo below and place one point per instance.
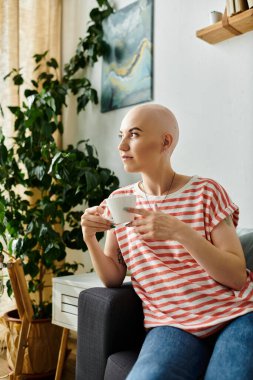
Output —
(221, 206)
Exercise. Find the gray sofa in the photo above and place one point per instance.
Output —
(110, 328)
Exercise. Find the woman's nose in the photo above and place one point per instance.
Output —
(123, 145)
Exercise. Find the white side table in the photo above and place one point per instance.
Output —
(66, 291)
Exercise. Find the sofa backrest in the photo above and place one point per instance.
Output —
(247, 245)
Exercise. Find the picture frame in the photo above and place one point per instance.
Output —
(127, 69)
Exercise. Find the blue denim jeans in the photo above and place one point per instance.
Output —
(169, 353)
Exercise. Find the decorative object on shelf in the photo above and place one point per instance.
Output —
(227, 28)
(230, 6)
(236, 6)
(127, 68)
(214, 17)
(240, 6)
(250, 3)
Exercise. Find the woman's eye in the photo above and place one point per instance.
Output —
(132, 134)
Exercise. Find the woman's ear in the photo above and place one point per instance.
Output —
(167, 141)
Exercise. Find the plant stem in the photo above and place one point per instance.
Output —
(7, 253)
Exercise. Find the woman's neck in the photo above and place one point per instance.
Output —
(158, 183)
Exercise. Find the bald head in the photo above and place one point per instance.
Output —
(159, 118)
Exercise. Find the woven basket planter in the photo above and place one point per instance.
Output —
(44, 340)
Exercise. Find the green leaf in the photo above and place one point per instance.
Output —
(39, 57)
(90, 150)
(95, 14)
(1, 111)
(37, 67)
(18, 80)
(31, 268)
(39, 171)
(30, 227)
(54, 161)
(3, 154)
(2, 231)
(49, 247)
(93, 96)
(14, 110)
(82, 101)
(17, 245)
(91, 180)
(52, 63)
(28, 93)
(100, 2)
(8, 75)
(50, 101)
(50, 210)
(9, 288)
(35, 83)
(43, 230)
(33, 286)
(29, 193)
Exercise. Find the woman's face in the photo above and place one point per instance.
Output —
(141, 143)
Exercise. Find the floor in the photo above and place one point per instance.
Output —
(69, 367)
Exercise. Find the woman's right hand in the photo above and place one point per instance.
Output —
(93, 222)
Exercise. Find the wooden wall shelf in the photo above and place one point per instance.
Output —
(243, 22)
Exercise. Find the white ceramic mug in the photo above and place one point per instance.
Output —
(117, 205)
(215, 16)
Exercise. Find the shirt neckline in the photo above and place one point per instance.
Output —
(160, 197)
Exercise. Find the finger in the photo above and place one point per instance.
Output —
(98, 210)
(98, 229)
(140, 222)
(93, 220)
(146, 236)
(142, 230)
(93, 217)
(138, 211)
(97, 226)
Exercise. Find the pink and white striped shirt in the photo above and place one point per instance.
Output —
(175, 290)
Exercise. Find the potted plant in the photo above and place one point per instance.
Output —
(41, 185)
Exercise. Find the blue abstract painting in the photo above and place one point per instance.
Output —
(127, 68)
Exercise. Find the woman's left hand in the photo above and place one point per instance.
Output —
(155, 225)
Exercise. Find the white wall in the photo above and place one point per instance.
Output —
(208, 87)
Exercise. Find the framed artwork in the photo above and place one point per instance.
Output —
(127, 69)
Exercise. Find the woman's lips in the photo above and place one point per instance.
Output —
(125, 158)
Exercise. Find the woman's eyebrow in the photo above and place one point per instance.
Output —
(133, 129)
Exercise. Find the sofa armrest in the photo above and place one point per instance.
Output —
(109, 320)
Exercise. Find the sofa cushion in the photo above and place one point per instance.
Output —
(119, 365)
(247, 245)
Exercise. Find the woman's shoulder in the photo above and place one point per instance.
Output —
(206, 181)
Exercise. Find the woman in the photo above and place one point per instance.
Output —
(184, 256)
